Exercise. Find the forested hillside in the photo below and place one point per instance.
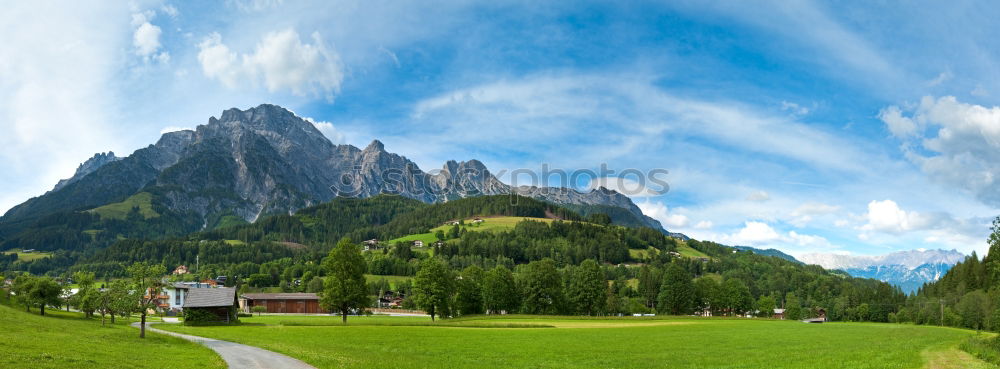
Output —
(967, 296)
(641, 268)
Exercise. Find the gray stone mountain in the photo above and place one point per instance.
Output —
(908, 270)
(87, 167)
(266, 160)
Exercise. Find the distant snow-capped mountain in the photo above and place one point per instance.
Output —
(906, 269)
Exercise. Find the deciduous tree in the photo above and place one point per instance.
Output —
(345, 288)
(433, 287)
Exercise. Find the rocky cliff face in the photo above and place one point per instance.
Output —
(87, 167)
(267, 160)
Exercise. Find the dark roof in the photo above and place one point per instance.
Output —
(281, 296)
(210, 297)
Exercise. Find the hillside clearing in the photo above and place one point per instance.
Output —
(489, 224)
(30, 256)
(119, 210)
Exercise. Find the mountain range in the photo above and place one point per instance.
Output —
(909, 270)
(266, 160)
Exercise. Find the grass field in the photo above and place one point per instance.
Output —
(606, 343)
(392, 279)
(66, 340)
(29, 256)
(119, 210)
(494, 224)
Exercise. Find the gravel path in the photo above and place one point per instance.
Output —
(239, 356)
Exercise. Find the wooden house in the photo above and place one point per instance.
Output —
(220, 303)
(283, 303)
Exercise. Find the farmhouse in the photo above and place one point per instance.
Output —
(295, 303)
(779, 314)
(418, 243)
(181, 269)
(211, 304)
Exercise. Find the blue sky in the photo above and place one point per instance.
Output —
(799, 125)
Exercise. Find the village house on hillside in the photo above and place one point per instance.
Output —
(418, 243)
(181, 269)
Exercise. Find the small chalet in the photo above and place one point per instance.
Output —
(220, 303)
(779, 314)
(477, 220)
(820, 317)
(293, 303)
(418, 243)
(371, 244)
(181, 269)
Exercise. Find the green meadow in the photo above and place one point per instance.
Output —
(67, 340)
(489, 224)
(28, 256)
(567, 342)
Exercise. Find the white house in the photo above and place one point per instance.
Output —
(418, 243)
(177, 294)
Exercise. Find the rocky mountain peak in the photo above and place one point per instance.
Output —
(375, 146)
(87, 167)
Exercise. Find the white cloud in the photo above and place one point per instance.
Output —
(755, 233)
(898, 125)
(759, 196)
(979, 91)
(659, 211)
(170, 10)
(805, 213)
(58, 77)
(964, 150)
(328, 130)
(173, 129)
(705, 224)
(281, 61)
(794, 108)
(941, 78)
(146, 37)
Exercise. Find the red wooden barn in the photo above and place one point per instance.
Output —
(296, 303)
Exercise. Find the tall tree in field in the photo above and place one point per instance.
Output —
(469, 291)
(765, 306)
(22, 290)
(147, 279)
(706, 291)
(345, 288)
(433, 287)
(588, 289)
(122, 299)
(500, 293)
(738, 299)
(542, 286)
(86, 297)
(649, 285)
(793, 308)
(677, 294)
(45, 291)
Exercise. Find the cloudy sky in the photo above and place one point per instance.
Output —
(791, 124)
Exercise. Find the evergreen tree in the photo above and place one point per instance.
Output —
(588, 289)
(677, 294)
(433, 287)
(793, 309)
(649, 285)
(345, 289)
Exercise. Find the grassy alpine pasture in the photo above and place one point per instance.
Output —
(119, 210)
(35, 255)
(67, 340)
(567, 342)
(489, 224)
